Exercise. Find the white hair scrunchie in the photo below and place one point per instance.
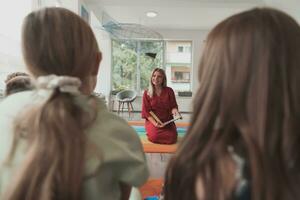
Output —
(66, 84)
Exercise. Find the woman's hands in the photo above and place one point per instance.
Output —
(175, 113)
(155, 123)
(158, 125)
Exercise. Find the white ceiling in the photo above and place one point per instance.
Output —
(182, 14)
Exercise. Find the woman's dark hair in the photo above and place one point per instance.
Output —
(248, 99)
(55, 41)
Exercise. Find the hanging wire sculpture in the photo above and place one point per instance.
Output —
(128, 31)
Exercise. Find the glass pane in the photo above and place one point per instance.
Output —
(124, 62)
(151, 56)
(180, 74)
(133, 62)
(178, 65)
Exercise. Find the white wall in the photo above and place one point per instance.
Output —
(72, 5)
(291, 7)
(104, 42)
(11, 19)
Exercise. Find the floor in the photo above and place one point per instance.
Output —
(157, 162)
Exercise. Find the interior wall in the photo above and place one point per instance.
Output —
(71, 5)
(11, 19)
(291, 7)
(104, 76)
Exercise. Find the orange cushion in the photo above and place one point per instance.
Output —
(152, 187)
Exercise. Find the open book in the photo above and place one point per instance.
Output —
(167, 122)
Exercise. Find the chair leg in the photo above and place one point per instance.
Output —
(112, 105)
(128, 108)
(119, 107)
(122, 106)
(131, 106)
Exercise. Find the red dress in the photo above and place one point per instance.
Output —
(162, 107)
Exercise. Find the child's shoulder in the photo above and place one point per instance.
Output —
(113, 126)
(109, 119)
(15, 102)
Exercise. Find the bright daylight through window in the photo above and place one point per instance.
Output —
(133, 62)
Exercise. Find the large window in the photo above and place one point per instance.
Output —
(124, 65)
(178, 64)
(133, 62)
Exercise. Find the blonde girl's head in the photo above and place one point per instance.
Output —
(57, 41)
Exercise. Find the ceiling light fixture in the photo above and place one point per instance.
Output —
(151, 14)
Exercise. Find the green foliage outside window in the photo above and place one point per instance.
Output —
(147, 63)
(131, 66)
(124, 65)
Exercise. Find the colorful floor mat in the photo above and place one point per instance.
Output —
(151, 188)
(150, 147)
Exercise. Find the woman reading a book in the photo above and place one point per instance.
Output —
(159, 107)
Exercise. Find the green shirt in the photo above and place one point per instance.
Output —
(121, 154)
